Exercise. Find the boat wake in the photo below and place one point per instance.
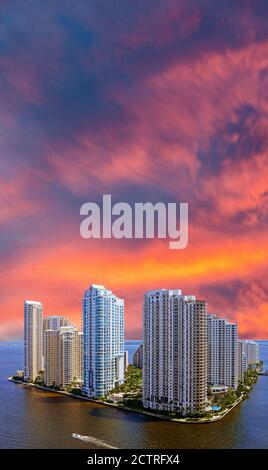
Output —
(92, 440)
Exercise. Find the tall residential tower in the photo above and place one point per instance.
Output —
(242, 362)
(174, 352)
(103, 326)
(33, 339)
(63, 356)
(222, 352)
(55, 322)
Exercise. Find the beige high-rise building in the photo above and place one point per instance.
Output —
(174, 352)
(55, 322)
(78, 356)
(52, 357)
(66, 355)
(71, 355)
(63, 352)
(33, 339)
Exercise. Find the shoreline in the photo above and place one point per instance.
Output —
(217, 417)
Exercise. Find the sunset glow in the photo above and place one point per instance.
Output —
(94, 100)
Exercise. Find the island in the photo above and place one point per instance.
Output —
(128, 396)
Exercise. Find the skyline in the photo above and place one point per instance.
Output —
(79, 325)
(187, 353)
(96, 100)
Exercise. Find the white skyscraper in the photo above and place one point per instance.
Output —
(222, 352)
(33, 339)
(174, 352)
(103, 324)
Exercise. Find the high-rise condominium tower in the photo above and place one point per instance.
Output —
(55, 322)
(33, 339)
(174, 352)
(71, 345)
(78, 356)
(222, 352)
(51, 322)
(103, 324)
(52, 357)
(63, 361)
(242, 362)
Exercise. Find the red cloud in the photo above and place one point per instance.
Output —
(187, 117)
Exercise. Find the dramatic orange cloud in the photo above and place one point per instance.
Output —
(164, 103)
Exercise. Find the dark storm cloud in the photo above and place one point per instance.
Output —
(241, 137)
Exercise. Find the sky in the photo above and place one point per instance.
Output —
(147, 101)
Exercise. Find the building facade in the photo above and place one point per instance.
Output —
(33, 339)
(242, 361)
(103, 327)
(52, 322)
(63, 356)
(252, 350)
(174, 352)
(222, 352)
(126, 363)
(66, 355)
(52, 357)
(78, 356)
(55, 322)
(138, 357)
